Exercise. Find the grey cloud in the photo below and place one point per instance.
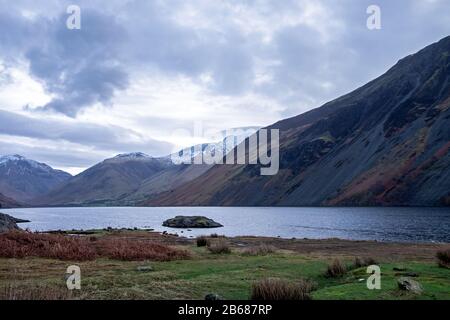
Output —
(98, 137)
(51, 156)
(89, 66)
(81, 67)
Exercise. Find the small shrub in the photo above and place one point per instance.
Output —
(261, 250)
(443, 258)
(219, 247)
(279, 289)
(336, 269)
(363, 262)
(202, 241)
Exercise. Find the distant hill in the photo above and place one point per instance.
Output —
(384, 144)
(106, 182)
(23, 179)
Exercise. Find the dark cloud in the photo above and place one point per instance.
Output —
(81, 67)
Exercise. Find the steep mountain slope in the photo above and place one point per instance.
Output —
(6, 202)
(23, 179)
(106, 182)
(386, 143)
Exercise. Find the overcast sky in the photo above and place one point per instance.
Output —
(140, 73)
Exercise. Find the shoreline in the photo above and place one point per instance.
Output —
(208, 231)
(391, 251)
(395, 224)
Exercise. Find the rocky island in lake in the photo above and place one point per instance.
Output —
(191, 222)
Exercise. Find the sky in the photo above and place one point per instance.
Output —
(155, 76)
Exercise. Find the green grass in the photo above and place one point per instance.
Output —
(230, 276)
(434, 280)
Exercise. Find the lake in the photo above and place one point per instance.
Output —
(382, 224)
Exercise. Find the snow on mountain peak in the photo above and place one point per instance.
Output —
(14, 157)
(133, 155)
(4, 160)
(130, 156)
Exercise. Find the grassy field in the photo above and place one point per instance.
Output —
(228, 275)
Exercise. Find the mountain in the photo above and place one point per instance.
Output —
(106, 182)
(23, 179)
(231, 138)
(6, 202)
(181, 173)
(384, 144)
(168, 179)
(129, 179)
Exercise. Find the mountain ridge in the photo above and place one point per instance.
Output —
(385, 143)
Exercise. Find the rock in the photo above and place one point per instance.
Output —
(401, 269)
(407, 274)
(145, 268)
(191, 222)
(411, 274)
(7, 223)
(409, 285)
(213, 297)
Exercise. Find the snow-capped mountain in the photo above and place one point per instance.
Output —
(24, 179)
(25, 164)
(231, 139)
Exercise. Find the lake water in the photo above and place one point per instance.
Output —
(382, 224)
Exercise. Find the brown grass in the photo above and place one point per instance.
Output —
(202, 241)
(135, 250)
(219, 246)
(261, 250)
(443, 257)
(279, 289)
(363, 262)
(20, 244)
(13, 292)
(336, 269)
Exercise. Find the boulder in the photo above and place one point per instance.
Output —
(145, 268)
(213, 297)
(191, 222)
(409, 285)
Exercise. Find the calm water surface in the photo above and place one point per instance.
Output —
(382, 224)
